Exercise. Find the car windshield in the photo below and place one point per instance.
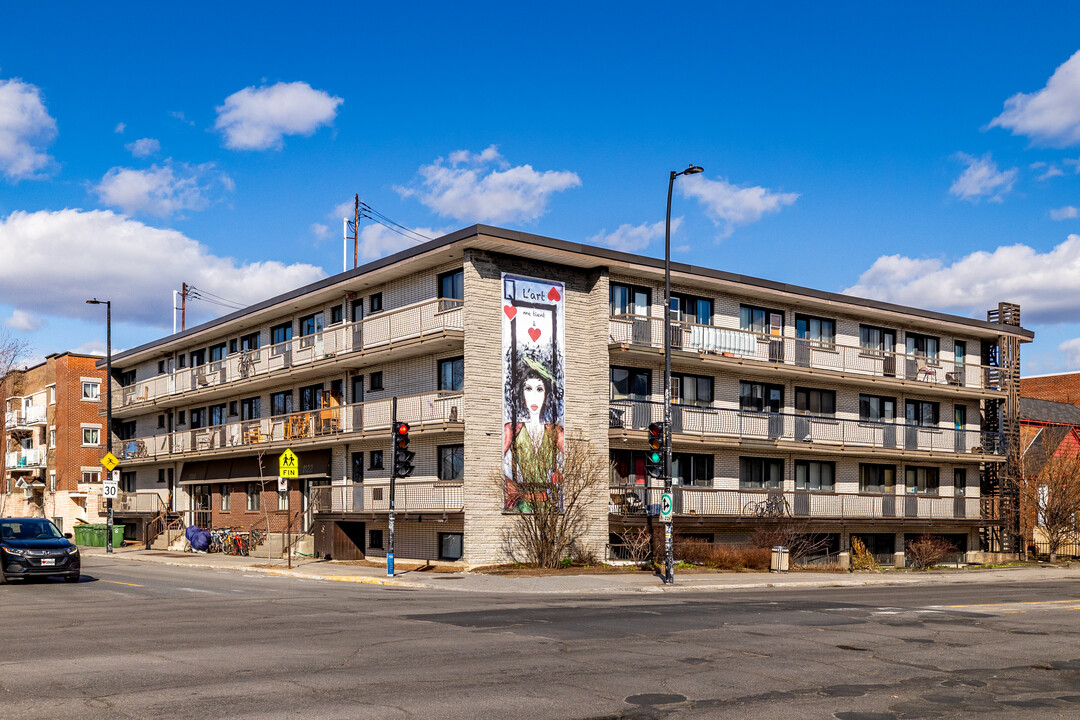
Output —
(28, 530)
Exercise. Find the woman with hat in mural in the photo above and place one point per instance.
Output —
(536, 444)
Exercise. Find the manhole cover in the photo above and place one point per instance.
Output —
(655, 699)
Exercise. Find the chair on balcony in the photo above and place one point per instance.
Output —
(924, 371)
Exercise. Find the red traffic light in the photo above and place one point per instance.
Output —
(403, 428)
(656, 430)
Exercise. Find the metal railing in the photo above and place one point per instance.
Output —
(630, 500)
(439, 407)
(32, 415)
(32, 458)
(409, 495)
(135, 502)
(379, 330)
(727, 422)
(815, 354)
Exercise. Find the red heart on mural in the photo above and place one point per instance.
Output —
(534, 333)
(510, 311)
(553, 295)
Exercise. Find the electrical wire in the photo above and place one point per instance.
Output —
(373, 211)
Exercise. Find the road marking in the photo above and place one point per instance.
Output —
(1005, 604)
(208, 592)
(117, 582)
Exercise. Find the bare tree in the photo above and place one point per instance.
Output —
(1049, 485)
(798, 538)
(549, 496)
(926, 551)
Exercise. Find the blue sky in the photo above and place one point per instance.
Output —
(921, 153)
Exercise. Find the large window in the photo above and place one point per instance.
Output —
(821, 403)
(124, 431)
(877, 339)
(281, 403)
(357, 474)
(876, 408)
(217, 352)
(226, 497)
(630, 383)
(821, 331)
(127, 481)
(375, 540)
(815, 475)
(252, 341)
(217, 414)
(692, 470)
(687, 308)
(198, 357)
(91, 390)
(198, 418)
(452, 374)
(451, 463)
(876, 478)
(691, 389)
(628, 467)
(761, 473)
(760, 320)
(311, 324)
(629, 299)
(311, 397)
(921, 412)
(959, 479)
(452, 285)
(760, 397)
(250, 408)
(922, 480)
(281, 333)
(922, 346)
(253, 491)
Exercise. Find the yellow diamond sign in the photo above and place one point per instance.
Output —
(288, 465)
(109, 462)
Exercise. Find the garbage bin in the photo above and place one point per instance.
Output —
(780, 558)
(81, 535)
(96, 535)
(118, 536)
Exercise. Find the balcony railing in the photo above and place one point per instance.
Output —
(380, 330)
(817, 355)
(32, 458)
(409, 496)
(418, 410)
(631, 500)
(32, 415)
(729, 423)
(144, 502)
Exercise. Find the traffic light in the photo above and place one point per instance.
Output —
(403, 457)
(654, 459)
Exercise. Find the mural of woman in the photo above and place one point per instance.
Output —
(536, 442)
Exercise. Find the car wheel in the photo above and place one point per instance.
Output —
(72, 578)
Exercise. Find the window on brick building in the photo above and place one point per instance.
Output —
(281, 403)
(761, 473)
(226, 497)
(452, 374)
(337, 314)
(452, 285)
(253, 491)
(375, 460)
(815, 475)
(52, 437)
(375, 381)
(217, 352)
(52, 394)
(451, 463)
(52, 481)
(126, 430)
(91, 437)
(922, 480)
(91, 476)
(375, 303)
(91, 391)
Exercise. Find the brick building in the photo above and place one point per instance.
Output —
(1056, 387)
(53, 440)
(852, 416)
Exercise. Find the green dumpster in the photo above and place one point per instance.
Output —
(82, 535)
(97, 535)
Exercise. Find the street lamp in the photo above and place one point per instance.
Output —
(669, 551)
(108, 409)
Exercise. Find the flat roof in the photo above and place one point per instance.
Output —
(581, 250)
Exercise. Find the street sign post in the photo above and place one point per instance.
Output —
(288, 469)
(110, 490)
(282, 484)
(665, 508)
(109, 462)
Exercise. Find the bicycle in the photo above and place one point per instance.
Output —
(774, 506)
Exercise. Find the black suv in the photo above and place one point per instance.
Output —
(33, 547)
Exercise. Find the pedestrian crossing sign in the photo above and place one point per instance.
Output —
(288, 465)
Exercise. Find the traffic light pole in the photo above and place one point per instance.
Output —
(669, 549)
(393, 477)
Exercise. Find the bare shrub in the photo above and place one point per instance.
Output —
(638, 543)
(861, 558)
(722, 557)
(693, 550)
(927, 551)
(796, 538)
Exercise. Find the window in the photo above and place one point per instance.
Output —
(875, 478)
(91, 476)
(761, 473)
(234, 347)
(281, 403)
(874, 408)
(692, 470)
(311, 397)
(126, 378)
(375, 381)
(217, 352)
(450, 546)
(451, 463)
(959, 482)
(760, 397)
(630, 299)
(815, 475)
(161, 367)
(760, 320)
(52, 437)
(226, 497)
(877, 339)
(281, 333)
(311, 324)
(921, 412)
(630, 383)
(922, 346)
(375, 540)
(52, 481)
(815, 402)
(251, 341)
(234, 408)
(91, 391)
(375, 303)
(198, 418)
(375, 460)
(960, 416)
(691, 389)
(357, 467)
(452, 374)
(179, 417)
(283, 500)
(52, 394)
(198, 357)
(959, 352)
(253, 497)
(452, 285)
(217, 415)
(127, 481)
(357, 307)
(337, 314)
(181, 361)
(91, 437)
(124, 430)
(686, 308)
(922, 480)
(161, 422)
(819, 330)
(250, 408)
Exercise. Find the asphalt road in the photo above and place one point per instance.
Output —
(152, 641)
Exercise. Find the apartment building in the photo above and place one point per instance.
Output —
(54, 438)
(792, 406)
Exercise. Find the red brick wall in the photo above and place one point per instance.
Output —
(238, 517)
(71, 412)
(1058, 388)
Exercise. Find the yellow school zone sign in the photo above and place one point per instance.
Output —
(288, 465)
(110, 461)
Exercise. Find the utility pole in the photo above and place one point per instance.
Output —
(356, 232)
(183, 307)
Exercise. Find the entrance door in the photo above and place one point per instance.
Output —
(307, 493)
(200, 505)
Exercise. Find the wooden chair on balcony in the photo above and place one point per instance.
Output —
(297, 426)
(925, 371)
(253, 435)
(328, 419)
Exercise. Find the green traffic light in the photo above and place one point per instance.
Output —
(654, 457)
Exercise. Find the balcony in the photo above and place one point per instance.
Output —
(724, 345)
(31, 459)
(391, 329)
(426, 411)
(764, 505)
(809, 432)
(410, 496)
(138, 503)
(26, 418)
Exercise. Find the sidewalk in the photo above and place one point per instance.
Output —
(599, 583)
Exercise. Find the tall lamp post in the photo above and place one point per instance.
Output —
(669, 548)
(108, 408)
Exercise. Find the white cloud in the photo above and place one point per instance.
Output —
(344, 210)
(100, 253)
(1068, 212)
(1071, 350)
(22, 320)
(981, 178)
(120, 127)
(143, 147)
(320, 231)
(179, 115)
(1050, 116)
(378, 241)
(26, 128)
(93, 347)
(257, 118)
(467, 187)
(1046, 284)
(633, 238)
(728, 205)
(1051, 170)
(162, 190)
